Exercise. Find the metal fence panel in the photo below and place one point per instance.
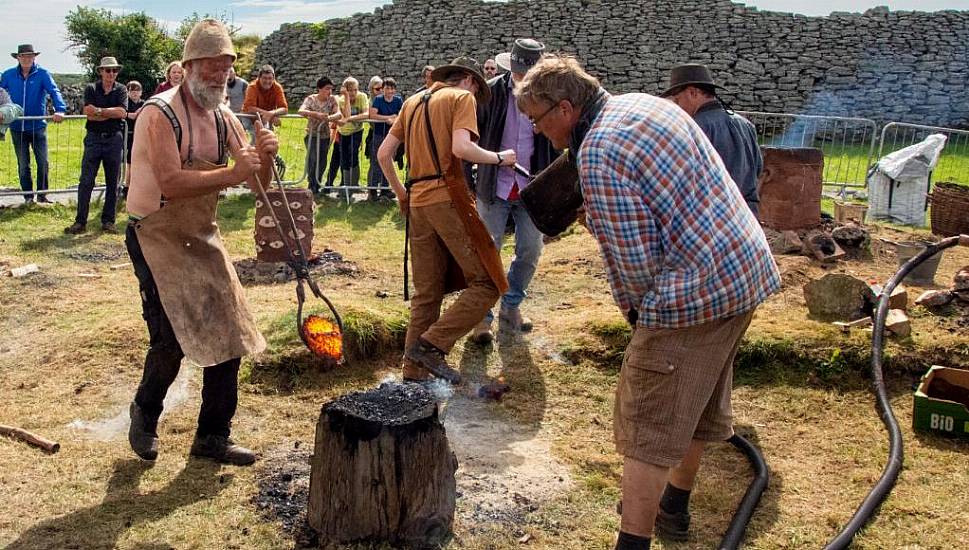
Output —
(953, 163)
(848, 144)
(65, 149)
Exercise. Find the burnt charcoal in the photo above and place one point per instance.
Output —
(390, 404)
(494, 391)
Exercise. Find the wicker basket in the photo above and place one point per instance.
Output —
(950, 209)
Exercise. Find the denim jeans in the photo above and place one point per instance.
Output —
(334, 164)
(350, 155)
(99, 149)
(317, 146)
(22, 142)
(528, 246)
(376, 177)
(220, 386)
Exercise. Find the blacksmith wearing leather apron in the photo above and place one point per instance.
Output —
(191, 297)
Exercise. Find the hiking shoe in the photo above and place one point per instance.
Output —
(432, 359)
(511, 318)
(75, 229)
(108, 227)
(482, 334)
(221, 449)
(674, 527)
(143, 440)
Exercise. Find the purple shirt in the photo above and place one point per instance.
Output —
(519, 136)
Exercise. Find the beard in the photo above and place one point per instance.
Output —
(207, 96)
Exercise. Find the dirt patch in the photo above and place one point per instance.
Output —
(328, 262)
(284, 488)
(98, 255)
(506, 471)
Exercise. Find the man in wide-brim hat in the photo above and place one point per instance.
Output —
(439, 128)
(192, 300)
(106, 107)
(29, 85)
(504, 126)
(692, 88)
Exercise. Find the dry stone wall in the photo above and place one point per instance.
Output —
(901, 66)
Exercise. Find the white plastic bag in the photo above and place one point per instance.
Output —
(899, 183)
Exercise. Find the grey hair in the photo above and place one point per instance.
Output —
(556, 77)
(267, 69)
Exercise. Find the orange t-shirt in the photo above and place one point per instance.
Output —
(270, 99)
(451, 109)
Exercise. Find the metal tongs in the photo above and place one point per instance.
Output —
(297, 258)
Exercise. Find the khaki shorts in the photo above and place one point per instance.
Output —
(675, 386)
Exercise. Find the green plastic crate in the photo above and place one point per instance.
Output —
(941, 416)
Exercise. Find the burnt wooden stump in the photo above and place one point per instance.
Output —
(382, 470)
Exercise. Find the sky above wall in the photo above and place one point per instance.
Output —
(42, 24)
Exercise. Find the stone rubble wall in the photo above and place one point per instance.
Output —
(887, 66)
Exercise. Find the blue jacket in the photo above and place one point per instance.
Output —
(31, 94)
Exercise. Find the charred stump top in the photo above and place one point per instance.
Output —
(360, 416)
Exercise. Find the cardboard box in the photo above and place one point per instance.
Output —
(942, 402)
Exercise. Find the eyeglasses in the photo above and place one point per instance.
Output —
(378, 88)
(111, 69)
(535, 121)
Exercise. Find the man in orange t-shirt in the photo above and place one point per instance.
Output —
(265, 97)
(444, 226)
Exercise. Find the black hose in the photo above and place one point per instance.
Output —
(889, 475)
(738, 525)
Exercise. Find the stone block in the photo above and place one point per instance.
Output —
(838, 297)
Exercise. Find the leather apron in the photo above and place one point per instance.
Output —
(196, 281)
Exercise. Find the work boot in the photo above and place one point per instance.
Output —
(75, 229)
(108, 227)
(674, 527)
(482, 334)
(511, 319)
(432, 359)
(143, 439)
(221, 449)
(412, 372)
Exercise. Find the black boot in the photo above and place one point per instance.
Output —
(141, 434)
(221, 449)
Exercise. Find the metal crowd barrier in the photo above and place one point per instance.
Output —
(848, 143)
(65, 151)
(953, 163)
(294, 153)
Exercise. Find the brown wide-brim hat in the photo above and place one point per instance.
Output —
(209, 38)
(23, 48)
(690, 74)
(465, 65)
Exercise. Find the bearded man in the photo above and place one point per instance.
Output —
(191, 297)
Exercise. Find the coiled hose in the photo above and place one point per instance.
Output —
(889, 475)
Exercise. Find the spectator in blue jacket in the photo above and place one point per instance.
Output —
(29, 85)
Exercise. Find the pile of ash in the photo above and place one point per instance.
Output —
(328, 262)
(284, 486)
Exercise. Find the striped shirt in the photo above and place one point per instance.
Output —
(678, 241)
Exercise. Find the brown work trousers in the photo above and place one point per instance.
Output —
(436, 232)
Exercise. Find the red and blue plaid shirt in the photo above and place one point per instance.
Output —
(679, 243)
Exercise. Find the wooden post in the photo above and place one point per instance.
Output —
(382, 470)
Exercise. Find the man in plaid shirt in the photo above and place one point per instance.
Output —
(687, 262)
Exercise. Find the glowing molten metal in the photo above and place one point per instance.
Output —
(323, 337)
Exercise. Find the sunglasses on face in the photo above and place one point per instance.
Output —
(111, 70)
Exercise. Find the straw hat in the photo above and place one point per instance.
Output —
(209, 38)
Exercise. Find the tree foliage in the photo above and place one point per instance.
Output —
(142, 44)
(135, 39)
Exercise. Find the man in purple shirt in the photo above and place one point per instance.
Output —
(503, 126)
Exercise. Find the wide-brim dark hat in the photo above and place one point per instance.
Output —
(23, 48)
(465, 65)
(690, 74)
(524, 54)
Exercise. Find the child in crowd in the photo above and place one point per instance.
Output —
(384, 108)
(134, 107)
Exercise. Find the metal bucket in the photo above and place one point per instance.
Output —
(553, 198)
(924, 274)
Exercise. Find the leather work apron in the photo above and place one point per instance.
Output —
(197, 283)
